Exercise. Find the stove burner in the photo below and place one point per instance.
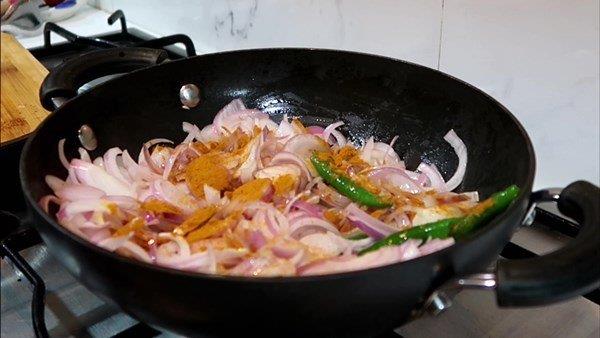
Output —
(51, 27)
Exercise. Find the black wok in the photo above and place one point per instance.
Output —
(373, 95)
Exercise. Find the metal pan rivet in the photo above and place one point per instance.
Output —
(189, 95)
(87, 137)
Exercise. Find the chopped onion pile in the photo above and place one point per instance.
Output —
(241, 197)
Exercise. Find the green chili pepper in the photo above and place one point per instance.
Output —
(455, 227)
(346, 186)
(438, 229)
(494, 205)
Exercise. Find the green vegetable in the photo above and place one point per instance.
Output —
(438, 229)
(358, 236)
(346, 186)
(491, 207)
(455, 227)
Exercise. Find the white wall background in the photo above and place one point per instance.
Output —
(537, 57)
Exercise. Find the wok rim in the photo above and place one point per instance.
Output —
(496, 222)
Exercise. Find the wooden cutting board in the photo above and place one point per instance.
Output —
(22, 76)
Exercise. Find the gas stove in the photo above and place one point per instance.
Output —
(39, 297)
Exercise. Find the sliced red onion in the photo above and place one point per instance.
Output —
(271, 224)
(84, 205)
(111, 166)
(367, 150)
(291, 202)
(285, 252)
(136, 171)
(367, 223)
(184, 247)
(74, 192)
(393, 141)
(45, 202)
(284, 157)
(313, 210)
(276, 221)
(172, 159)
(113, 243)
(400, 218)
(195, 262)
(330, 131)
(229, 256)
(136, 251)
(296, 214)
(170, 193)
(193, 132)
(384, 153)
(61, 153)
(435, 178)
(234, 106)
(250, 266)
(274, 171)
(331, 197)
(403, 182)
(160, 156)
(298, 225)
(208, 134)
(84, 155)
(315, 130)
(154, 141)
(124, 202)
(357, 245)
(92, 224)
(97, 177)
(256, 240)
(472, 195)
(149, 161)
(313, 182)
(325, 242)
(285, 130)
(246, 171)
(461, 151)
(97, 235)
(235, 114)
(212, 195)
(54, 182)
(304, 145)
(397, 176)
(383, 256)
(98, 161)
(379, 153)
(434, 245)
(422, 179)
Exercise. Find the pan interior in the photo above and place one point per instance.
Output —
(372, 95)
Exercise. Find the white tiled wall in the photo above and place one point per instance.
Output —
(540, 59)
(404, 29)
(537, 57)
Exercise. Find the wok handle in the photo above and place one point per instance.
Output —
(62, 82)
(568, 272)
